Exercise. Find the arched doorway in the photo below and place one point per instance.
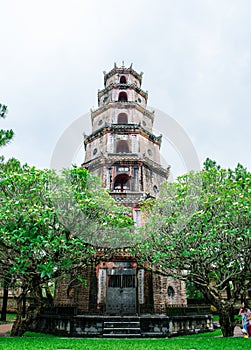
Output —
(122, 183)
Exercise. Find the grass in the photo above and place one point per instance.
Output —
(205, 341)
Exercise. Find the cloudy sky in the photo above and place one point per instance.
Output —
(195, 55)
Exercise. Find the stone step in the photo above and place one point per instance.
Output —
(121, 330)
(122, 327)
(121, 319)
(122, 335)
(152, 334)
(121, 324)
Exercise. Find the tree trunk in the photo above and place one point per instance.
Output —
(226, 313)
(5, 301)
(24, 307)
(23, 324)
(15, 331)
(224, 308)
(19, 327)
(227, 326)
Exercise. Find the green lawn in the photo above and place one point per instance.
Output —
(206, 341)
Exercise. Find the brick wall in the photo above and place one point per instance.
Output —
(71, 292)
(167, 292)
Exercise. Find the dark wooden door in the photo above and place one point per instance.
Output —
(121, 291)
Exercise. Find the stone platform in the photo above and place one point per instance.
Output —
(123, 326)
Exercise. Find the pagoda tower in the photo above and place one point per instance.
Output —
(124, 152)
(122, 149)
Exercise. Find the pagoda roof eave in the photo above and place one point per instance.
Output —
(121, 87)
(123, 128)
(117, 104)
(123, 70)
(109, 159)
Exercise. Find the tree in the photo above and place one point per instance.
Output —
(5, 135)
(45, 221)
(200, 231)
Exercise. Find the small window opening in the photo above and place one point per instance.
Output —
(122, 147)
(123, 96)
(122, 79)
(170, 292)
(122, 118)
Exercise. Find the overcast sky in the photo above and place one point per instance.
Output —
(195, 55)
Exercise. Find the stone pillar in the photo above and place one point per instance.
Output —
(141, 284)
(108, 178)
(135, 184)
(101, 286)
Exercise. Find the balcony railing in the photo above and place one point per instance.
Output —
(127, 197)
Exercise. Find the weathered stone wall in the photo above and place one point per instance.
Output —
(137, 143)
(61, 296)
(71, 292)
(152, 181)
(167, 292)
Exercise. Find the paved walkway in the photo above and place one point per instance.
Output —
(238, 332)
(4, 328)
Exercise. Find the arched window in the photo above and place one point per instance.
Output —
(122, 118)
(122, 183)
(122, 79)
(123, 96)
(155, 189)
(122, 147)
(170, 292)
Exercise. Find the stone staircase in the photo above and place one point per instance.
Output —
(122, 327)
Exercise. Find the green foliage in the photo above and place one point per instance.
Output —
(87, 210)
(192, 292)
(200, 230)
(51, 225)
(209, 164)
(5, 135)
(48, 222)
(28, 224)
